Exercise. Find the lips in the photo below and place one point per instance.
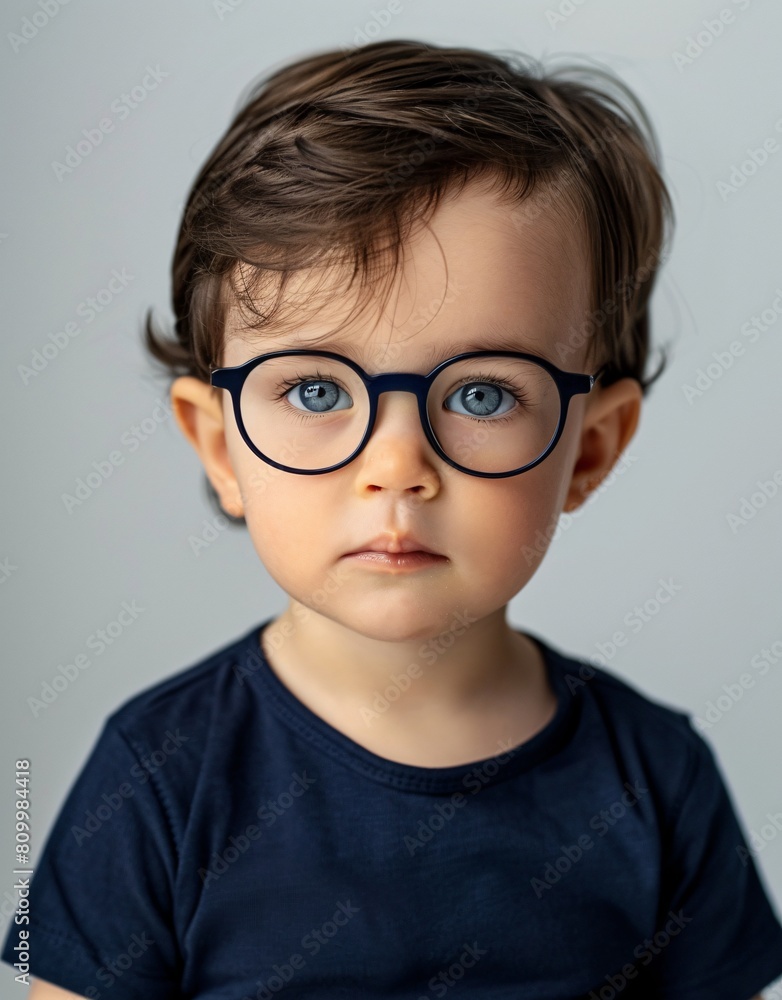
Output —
(395, 545)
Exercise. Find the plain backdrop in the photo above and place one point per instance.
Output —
(715, 98)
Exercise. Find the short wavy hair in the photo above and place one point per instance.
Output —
(330, 159)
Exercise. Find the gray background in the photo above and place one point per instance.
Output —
(68, 573)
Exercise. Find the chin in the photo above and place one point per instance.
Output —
(400, 623)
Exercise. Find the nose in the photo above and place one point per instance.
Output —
(398, 455)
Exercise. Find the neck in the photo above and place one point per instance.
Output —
(469, 667)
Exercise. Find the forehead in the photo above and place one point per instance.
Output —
(481, 273)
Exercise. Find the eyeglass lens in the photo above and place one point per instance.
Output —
(488, 414)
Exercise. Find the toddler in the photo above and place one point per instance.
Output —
(411, 289)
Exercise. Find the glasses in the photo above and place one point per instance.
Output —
(486, 413)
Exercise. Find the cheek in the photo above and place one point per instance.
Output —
(506, 523)
(283, 521)
(288, 525)
(515, 518)
(262, 486)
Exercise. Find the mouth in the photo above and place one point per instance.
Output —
(394, 552)
(416, 559)
(395, 546)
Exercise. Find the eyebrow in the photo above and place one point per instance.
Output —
(436, 353)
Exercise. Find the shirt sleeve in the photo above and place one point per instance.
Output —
(718, 938)
(100, 898)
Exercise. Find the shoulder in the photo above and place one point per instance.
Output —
(658, 735)
(618, 695)
(190, 701)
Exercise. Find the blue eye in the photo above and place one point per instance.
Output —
(482, 399)
(316, 394)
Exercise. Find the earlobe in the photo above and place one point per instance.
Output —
(198, 411)
(610, 421)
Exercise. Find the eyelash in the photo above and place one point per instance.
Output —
(283, 388)
(511, 390)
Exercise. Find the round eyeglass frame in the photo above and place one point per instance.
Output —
(568, 384)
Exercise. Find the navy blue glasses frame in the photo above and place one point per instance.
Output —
(568, 384)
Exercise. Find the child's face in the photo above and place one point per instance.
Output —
(528, 277)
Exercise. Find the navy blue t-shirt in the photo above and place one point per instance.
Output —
(224, 841)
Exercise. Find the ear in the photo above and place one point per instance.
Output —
(610, 420)
(198, 410)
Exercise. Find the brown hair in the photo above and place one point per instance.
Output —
(330, 159)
